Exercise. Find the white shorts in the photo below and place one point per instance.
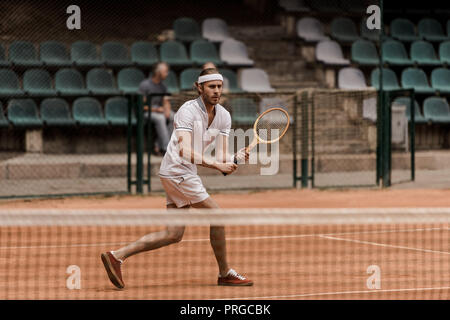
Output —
(183, 191)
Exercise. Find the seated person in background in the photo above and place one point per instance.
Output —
(161, 113)
(226, 85)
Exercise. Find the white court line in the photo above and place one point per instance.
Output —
(336, 293)
(383, 245)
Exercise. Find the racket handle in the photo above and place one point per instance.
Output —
(235, 162)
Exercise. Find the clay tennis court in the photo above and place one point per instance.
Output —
(285, 262)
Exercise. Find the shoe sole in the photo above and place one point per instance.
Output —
(110, 271)
(249, 284)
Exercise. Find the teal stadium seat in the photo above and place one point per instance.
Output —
(403, 30)
(394, 53)
(390, 81)
(440, 80)
(101, 82)
(444, 52)
(23, 53)
(84, 54)
(37, 82)
(174, 53)
(244, 111)
(405, 101)
(116, 111)
(54, 53)
(365, 53)
(87, 111)
(186, 29)
(70, 82)
(56, 112)
(344, 30)
(431, 30)
(144, 54)
(129, 80)
(23, 113)
(3, 61)
(9, 84)
(115, 54)
(423, 54)
(416, 79)
(4, 123)
(232, 81)
(203, 51)
(188, 77)
(436, 109)
(171, 82)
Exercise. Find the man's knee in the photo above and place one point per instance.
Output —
(175, 235)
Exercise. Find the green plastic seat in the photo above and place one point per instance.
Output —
(115, 54)
(23, 53)
(171, 83)
(390, 81)
(403, 30)
(416, 79)
(37, 82)
(3, 61)
(436, 109)
(54, 53)
(116, 111)
(4, 123)
(186, 29)
(440, 80)
(431, 30)
(243, 111)
(101, 82)
(56, 112)
(188, 77)
(344, 30)
(365, 53)
(69, 82)
(9, 84)
(369, 34)
(232, 81)
(174, 53)
(406, 101)
(87, 111)
(144, 54)
(444, 52)
(23, 113)
(129, 80)
(203, 51)
(84, 54)
(394, 53)
(423, 53)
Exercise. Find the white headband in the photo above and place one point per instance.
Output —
(210, 77)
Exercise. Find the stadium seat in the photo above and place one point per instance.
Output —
(188, 77)
(115, 54)
(394, 53)
(23, 53)
(329, 52)
(344, 30)
(101, 81)
(203, 51)
(436, 110)
(87, 111)
(234, 53)
(372, 35)
(431, 30)
(423, 53)
(171, 83)
(84, 53)
(3, 61)
(365, 53)
(54, 53)
(215, 30)
(129, 79)
(37, 82)
(70, 82)
(416, 79)
(444, 52)
(243, 111)
(310, 30)
(116, 111)
(144, 54)
(294, 5)
(186, 29)
(56, 112)
(4, 123)
(231, 80)
(174, 53)
(23, 113)
(255, 80)
(351, 78)
(440, 80)
(9, 84)
(390, 81)
(403, 30)
(325, 6)
(405, 101)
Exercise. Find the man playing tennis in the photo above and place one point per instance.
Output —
(206, 119)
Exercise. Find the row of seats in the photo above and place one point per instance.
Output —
(435, 110)
(100, 81)
(116, 54)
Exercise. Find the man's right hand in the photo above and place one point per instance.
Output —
(228, 167)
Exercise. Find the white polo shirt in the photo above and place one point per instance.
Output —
(192, 116)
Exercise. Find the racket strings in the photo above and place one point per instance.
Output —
(272, 125)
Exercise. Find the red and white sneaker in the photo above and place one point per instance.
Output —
(233, 279)
(112, 266)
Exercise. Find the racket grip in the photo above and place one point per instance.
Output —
(235, 162)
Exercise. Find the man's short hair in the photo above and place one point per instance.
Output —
(209, 71)
(157, 66)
